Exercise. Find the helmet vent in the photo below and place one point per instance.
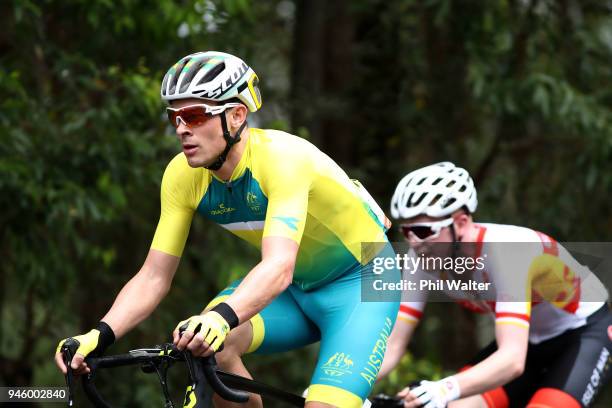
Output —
(212, 74)
(164, 83)
(418, 201)
(193, 70)
(177, 75)
(435, 199)
(409, 199)
(421, 181)
(463, 188)
(450, 202)
(437, 181)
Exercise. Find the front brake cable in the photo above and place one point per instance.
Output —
(160, 361)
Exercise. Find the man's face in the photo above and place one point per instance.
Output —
(202, 144)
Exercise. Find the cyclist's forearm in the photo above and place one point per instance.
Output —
(498, 369)
(393, 355)
(396, 346)
(263, 283)
(136, 301)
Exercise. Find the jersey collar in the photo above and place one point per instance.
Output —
(480, 239)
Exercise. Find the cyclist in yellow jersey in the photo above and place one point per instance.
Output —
(551, 345)
(318, 232)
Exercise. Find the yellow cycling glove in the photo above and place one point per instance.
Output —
(214, 325)
(93, 343)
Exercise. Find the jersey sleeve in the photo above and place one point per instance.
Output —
(512, 282)
(413, 300)
(287, 184)
(177, 207)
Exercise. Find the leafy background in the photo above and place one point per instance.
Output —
(517, 91)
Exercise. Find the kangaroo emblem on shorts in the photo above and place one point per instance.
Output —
(338, 364)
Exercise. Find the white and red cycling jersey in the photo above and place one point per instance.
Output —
(534, 282)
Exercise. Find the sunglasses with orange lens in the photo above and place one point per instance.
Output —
(196, 115)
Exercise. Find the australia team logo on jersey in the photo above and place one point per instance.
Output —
(338, 365)
(253, 203)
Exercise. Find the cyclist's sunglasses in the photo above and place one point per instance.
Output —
(424, 231)
(196, 115)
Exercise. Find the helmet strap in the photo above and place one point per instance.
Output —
(455, 246)
(229, 142)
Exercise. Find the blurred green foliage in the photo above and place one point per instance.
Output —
(519, 92)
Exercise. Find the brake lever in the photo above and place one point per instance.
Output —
(68, 351)
(190, 366)
(188, 357)
(206, 370)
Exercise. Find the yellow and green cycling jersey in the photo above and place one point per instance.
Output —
(282, 186)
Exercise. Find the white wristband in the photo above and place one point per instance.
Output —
(451, 388)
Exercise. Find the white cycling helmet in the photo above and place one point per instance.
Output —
(437, 190)
(212, 75)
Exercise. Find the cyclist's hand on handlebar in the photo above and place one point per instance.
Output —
(201, 334)
(431, 394)
(86, 344)
(410, 401)
(92, 343)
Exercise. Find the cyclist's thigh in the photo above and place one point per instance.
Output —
(280, 326)
(583, 369)
(353, 339)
